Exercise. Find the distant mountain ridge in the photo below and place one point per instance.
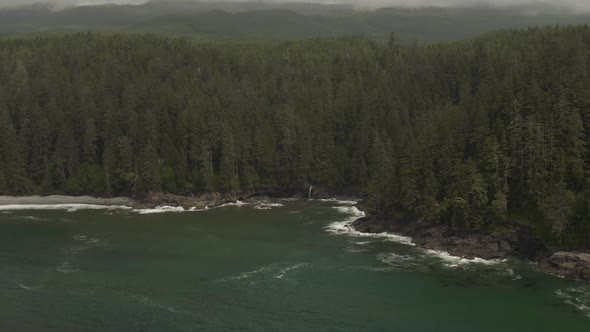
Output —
(281, 21)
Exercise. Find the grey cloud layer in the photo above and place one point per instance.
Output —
(572, 4)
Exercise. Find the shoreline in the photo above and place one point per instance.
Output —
(154, 202)
(197, 201)
(516, 242)
(151, 201)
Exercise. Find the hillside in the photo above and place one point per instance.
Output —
(473, 135)
(258, 21)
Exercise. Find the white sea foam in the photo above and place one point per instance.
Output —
(284, 271)
(277, 270)
(344, 227)
(401, 262)
(160, 209)
(236, 203)
(75, 250)
(510, 273)
(93, 240)
(80, 237)
(267, 206)
(25, 287)
(66, 207)
(66, 267)
(150, 303)
(337, 201)
(246, 275)
(33, 218)
(455, 261)
(578, 297)
(355, 249)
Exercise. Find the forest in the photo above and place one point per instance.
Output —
(474, 134)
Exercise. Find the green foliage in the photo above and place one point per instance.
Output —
(88, 180)
(466, 133)
(168, 180)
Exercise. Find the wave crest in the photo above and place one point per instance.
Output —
(66, 207)
(578, 297)
(345, 227)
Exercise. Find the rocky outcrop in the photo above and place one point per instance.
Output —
(572, 265)
(375, 225)
(200, 201)
(197, 201)
(482, 246)
(516, 241)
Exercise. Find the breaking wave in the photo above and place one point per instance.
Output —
(510, 273)
(25, 287)
(267, 206)
(247, 275)
(578, 297)
(337, 201)
(396, 262)
(71, 253)
(284, 271)
(32, 218)
(236, 203)
(455, 261)
(355, 249)
(276, 270)
(80, 237)
(66, 207)
(344, 227)
(160, 209)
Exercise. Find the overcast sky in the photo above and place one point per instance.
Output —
(572, 4)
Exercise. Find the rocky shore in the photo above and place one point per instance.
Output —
(517, 241)
(148, 201)
(201, 201)
(159, 199)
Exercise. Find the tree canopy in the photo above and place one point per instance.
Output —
(474, 134)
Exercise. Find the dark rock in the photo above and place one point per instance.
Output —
(512, 241)
(527, 245)
(573, 265)
(452, 241)
(504, 246)
(492, 246)
(565, 257)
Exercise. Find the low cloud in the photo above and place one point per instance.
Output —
(572, 5)
(66, 3)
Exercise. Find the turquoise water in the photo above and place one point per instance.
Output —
(243, 268)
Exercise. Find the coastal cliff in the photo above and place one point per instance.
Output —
(515, 241)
